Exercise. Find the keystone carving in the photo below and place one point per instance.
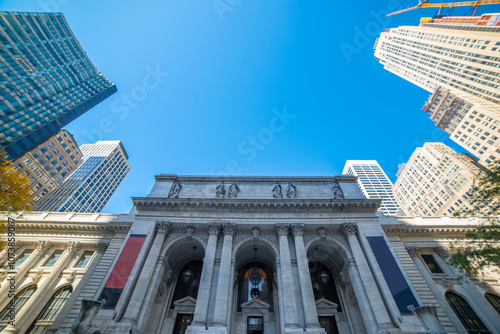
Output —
(277, 190)
(322, 233)
(36, 278)
(189, 231)
(336, 190)
(255, 232)
(71, 277)
(220, 190)
(348, 229)
(282, 229)
(291, 190)
(412, 250)
(233, 191)
(163, 226)
(175, 190)
(297, 229)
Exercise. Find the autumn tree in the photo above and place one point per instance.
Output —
(480, 248)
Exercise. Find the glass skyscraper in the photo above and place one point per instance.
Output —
(46, 79)
(91, 186)
(374, 183)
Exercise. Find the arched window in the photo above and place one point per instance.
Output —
(494, 301)
(466, 314)
(50, 311)
(246, 288)
(21, 299)
(188, 281)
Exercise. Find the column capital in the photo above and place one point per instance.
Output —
(442, 252)
(102, 246)
(74, 246)
(282, 229)
(412, 250)
(163, 226)
(349, 228)
(43, 245)
(229, 228)
(297, 229)
(213, 228)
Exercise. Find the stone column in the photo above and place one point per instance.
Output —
(289, 301)
(306, 288)
(224, 282)
(45, 290)
(134, 306)
(384, 324)
(30, 262)
(201, 309)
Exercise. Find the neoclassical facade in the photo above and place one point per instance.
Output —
(271, 255)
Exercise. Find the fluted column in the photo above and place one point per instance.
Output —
(202, 302)
(30, 262)
(224, 282)
(384, 323)
(306, 288)
(134, 306)
(45, 289)
(290, 303)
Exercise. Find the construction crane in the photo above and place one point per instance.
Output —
(426, 4)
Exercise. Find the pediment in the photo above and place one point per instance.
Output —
(255, 304)
(325, 303)
(186, 301)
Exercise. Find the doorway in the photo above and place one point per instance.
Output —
(255, 325)
(329, 325)
(182, 322)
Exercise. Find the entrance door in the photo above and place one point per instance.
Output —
(329, 325)
(182, 322)
(255, 325)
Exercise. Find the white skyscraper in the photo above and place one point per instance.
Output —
(91, 186)
(459, 54)
(373, 182)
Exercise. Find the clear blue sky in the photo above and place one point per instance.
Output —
(220, 68)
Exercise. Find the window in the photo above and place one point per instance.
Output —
(23, 256)
(466, 314)
(50, 311)
(50, 145)
(494, 301)
(21, 299)
(431, 263)
(84, 259)
(53, 258)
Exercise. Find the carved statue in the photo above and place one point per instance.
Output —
(337, 190)
(220, 190)
(277, 190)
(88, 311)
(291, 190)
(233, 191)
(175, 190)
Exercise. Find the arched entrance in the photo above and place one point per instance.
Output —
(255, 295)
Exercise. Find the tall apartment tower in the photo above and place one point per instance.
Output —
(48, 165)
(458, 54)
(374, 183)
(91, 186)
(46, 79)
(436, 181)
(475, 128)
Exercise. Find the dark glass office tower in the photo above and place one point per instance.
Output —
(46, 79)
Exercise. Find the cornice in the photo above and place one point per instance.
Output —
(20, 225)
(426, 229)
(274, 205)
(253, 179)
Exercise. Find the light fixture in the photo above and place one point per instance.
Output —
(323, 276)
(188, 275)
(255, 278)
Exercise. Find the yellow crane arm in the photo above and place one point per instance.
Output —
(426, 4)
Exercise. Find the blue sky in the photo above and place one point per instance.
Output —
(245, 87)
